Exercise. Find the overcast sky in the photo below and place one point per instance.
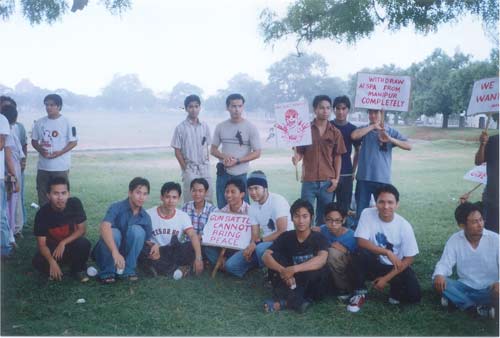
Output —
(201, 42)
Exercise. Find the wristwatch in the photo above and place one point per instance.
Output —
(238, 161)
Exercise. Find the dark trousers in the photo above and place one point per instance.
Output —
(171, 257)
(366, 266)
(490, 213)
(311, 285)
(343, 193)
(75, 255)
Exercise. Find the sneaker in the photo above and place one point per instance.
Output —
(185, 269)
(393, 301)
(82, 276)
(355, 303)
(344, 297)
(444, 302)
(486, 311)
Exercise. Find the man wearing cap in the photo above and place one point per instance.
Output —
(269, 216)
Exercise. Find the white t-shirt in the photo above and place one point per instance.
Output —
(396, 235)
(477, 268)
(165, 228)
(265, 215)
(5, 131)
(54, 135)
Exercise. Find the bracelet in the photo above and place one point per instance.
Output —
(238, 161)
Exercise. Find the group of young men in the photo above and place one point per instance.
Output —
(307, 258)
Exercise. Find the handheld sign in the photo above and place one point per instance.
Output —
(387, 92)
(477, 174)
(484, 98)
(225, 230)
(293, 126)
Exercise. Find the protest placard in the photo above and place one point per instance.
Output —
(484, 98)
(293, 125)
(225, 230)
(387, 92)
(477, 174)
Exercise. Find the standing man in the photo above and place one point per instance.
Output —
(190, 141)
(343, 193)
(60, 233)
(375, 158)
(53, 137)
(240, 144)
(124, 230)
(6, 246)
(387, 248)
(269, 216)
(322, 160)
(488, 152)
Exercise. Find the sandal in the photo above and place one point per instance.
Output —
(107, 280)
(132, 278)
(274, 306)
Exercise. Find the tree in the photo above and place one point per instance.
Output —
(179, 93)
(38, 11)
(351, 20)
(126, 93)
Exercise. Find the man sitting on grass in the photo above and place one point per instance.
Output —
(342, 244)
(474, 252)
(60, 230)
(124, 230)
(387, 248)
(296, 260)
(165, 252)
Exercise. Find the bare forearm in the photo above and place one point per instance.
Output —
(366, 244)
(251, 156)
(107, 237)
(79, 232)
(479, 158)
(360, 132)
(270, 262)
(45, 252)
(314, 263)
(405, 145)
(180, 158)
(68, 147)
(406, 262)
(214, 151)
(9, 161)
(337, 166)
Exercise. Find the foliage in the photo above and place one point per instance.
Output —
(351, 20)
(38, 11)
(126, 92)
(179, 93)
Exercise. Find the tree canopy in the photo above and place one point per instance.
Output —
(351, 20)
(38, 11)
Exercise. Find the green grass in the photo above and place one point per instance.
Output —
(430, 181)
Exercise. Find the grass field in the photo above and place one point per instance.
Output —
(429, 179)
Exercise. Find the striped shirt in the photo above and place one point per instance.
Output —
(198, 220)
(193, 140)
(243, 209)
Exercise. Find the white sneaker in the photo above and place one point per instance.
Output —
(444, 301)
(355, 303)
(393, 301)
(486, 311)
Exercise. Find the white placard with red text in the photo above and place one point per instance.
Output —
(293, 125)
(225, 230)
(477, 174)
(484, 98)
(387, 92)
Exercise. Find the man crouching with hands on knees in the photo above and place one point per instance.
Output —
(297, 263)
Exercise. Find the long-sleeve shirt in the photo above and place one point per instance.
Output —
(477, 268)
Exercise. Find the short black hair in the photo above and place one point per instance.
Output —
(4, 98)
(463, 211)
(191, 98)
(10, 113)
(342, 99)
(236, 182)
(388, 188)
(318, 98)
(56, 181)
(136, 182)
(233, 97)
(199, 180)
(55, 98)
(169, 186)
(301, 203)
(334, 206)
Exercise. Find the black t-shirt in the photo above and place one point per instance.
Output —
(491, 159)
(57, 225)
(295, 252)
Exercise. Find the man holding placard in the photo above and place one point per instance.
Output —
(240, 142)
(269, 217)
(322, 160)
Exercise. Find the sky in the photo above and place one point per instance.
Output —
(201, 42)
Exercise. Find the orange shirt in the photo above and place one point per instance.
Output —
(317, 163)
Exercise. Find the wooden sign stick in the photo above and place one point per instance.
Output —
(296, 168)
(487, 122)
(219, 263)
(477, 186)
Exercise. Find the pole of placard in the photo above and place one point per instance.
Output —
(487, 122)
(220, 259)
(477, 186)
(296, 168)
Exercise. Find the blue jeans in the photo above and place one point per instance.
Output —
(237, 264)
(6, 248)
(364, 191)
(220, 186)
(464, 296)
(316, 190)
(104, 259)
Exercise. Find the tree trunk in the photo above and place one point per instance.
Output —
(445, 121)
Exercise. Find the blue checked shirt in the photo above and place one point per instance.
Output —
(200, 220)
